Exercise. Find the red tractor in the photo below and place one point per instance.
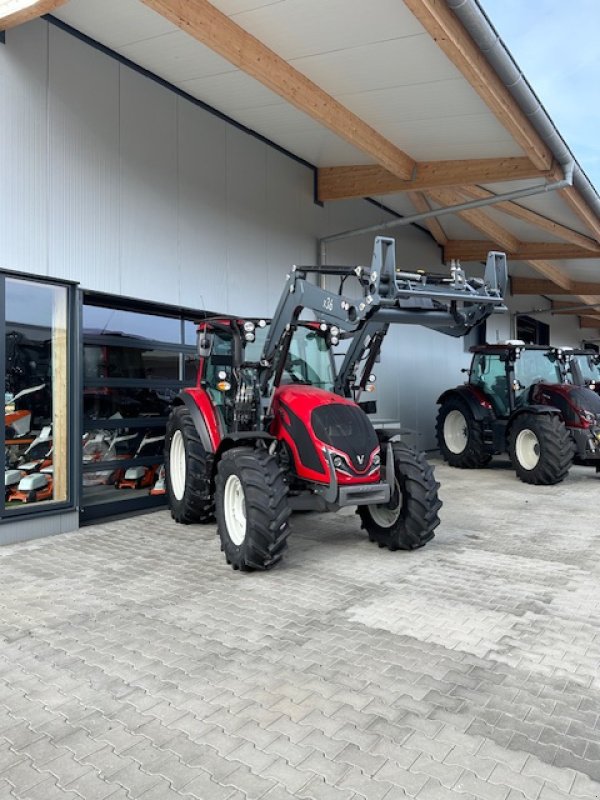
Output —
(518, 399)
(272, 426)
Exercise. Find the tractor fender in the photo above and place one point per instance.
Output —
(532, 409)
(186, 399)
(472, 398)
(243, 439)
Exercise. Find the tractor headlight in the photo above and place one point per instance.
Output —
(376, 460)
(334, 331)
(249, 336)
(334, 340)
(338, 462)
(249, 326)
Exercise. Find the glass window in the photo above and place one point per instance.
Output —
(110, 361)
(488, 372)
(535, 366)
(36, 420)
(588, 367)
(116, 322)
(309, 360)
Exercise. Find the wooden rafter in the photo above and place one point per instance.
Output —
(580, 207)
(478, 218)
(449, 34)
(211, 27)
(570, 306)
(340, 183)
(520, 285)
(432, 224)
(552, 272)
(526, 215)
(476, 250)
(589, 322)
(10, 19)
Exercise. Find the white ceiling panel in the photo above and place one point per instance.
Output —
(396, 62)
(297, 28)
(232, 92)
(176, 57)
(232, 7)
(115, 23)
(429, 101)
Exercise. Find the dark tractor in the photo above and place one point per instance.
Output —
(272, 426)
(517, 401)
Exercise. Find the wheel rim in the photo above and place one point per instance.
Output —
(456, 433)
(177, 467)
(527, 449)
(383, 515)
(234, 506)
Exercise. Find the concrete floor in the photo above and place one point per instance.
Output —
(135, 663)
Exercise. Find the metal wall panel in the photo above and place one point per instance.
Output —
(149, 201)
(202, 217)
(83, 164)
(23, 149)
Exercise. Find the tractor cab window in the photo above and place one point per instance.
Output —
(488, 373)
(537, 366)
(218, 366)
(588, 367)
(309, 360)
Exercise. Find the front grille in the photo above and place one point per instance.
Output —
(345, 428)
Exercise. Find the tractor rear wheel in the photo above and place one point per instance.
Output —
(187, 482)
(408, 521)
(251, 508)
(541, 449)
(460, 436)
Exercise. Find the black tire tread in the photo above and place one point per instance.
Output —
(556, 445)
(419, 517)
(267, 508)
(197, 504)
(474, 455)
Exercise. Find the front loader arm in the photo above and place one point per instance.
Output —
(452, 305)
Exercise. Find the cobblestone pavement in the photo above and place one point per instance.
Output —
(135, 664)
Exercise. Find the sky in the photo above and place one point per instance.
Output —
(556, 43)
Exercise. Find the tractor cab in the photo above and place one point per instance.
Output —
(230, 366)
(506, 373)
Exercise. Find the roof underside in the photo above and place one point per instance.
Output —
(381, 63)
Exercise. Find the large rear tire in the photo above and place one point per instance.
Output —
(541, 449)
(251, 508)
(408, 521)
(187, 477)
(460, 436)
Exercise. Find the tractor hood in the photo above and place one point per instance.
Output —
(317, 421)
(578, 404)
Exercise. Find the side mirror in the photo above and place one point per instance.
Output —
(205, 344)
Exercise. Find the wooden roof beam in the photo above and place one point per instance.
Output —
(478, 218)
(523, 286)
(475, 250)
(432, 224)
(341, 183)
(10, 18)
(517, 211)
(580, 207)
(216, 30)
(589, 322)
(449, 34)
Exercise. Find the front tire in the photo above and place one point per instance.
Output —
(460, 436)
(541, 449)
(251, 508)
(188, 482)
(409, 520)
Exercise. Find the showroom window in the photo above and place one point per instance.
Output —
(36, 365)
(135, 361)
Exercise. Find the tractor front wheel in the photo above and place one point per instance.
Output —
(408, 521)
(541, 449)
(460, 436)
(251, 508)
(188, 483)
